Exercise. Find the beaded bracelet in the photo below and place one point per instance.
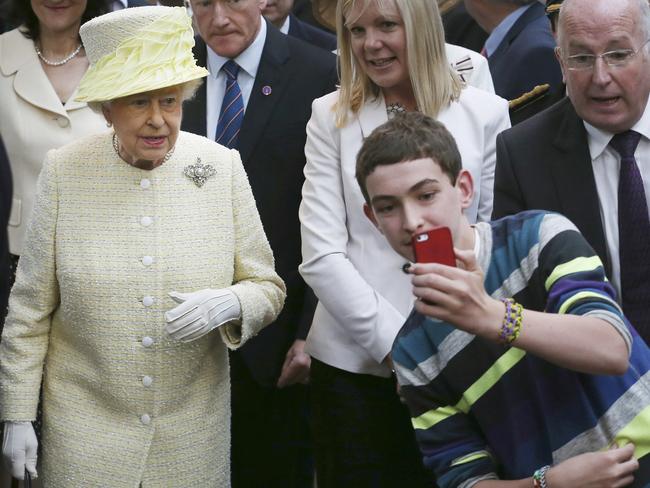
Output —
(512, 320)
(539, 478)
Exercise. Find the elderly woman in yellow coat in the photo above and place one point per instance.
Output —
(145, 260)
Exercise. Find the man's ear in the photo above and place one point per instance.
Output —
(465, 186)
(367, 210)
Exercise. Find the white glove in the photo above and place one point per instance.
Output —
(19, 447)
(200, 312)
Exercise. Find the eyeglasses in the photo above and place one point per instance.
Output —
(613, 59)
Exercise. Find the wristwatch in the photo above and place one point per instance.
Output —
(539, 478)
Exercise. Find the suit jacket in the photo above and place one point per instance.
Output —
(544, 163)
(33, 121)
(363, 294)
(79, 318)
(271, 144)
(526, 58)
(137, 3)
(312, 35)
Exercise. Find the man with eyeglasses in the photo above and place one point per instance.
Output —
(588, 156)
(257, 100)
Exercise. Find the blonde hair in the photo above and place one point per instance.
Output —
(435, 83)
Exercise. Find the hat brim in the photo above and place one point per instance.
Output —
(111, 92)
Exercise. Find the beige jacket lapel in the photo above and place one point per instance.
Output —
(30, 83)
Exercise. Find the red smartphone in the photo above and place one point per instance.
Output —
(434, 246)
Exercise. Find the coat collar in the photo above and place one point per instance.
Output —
(534, 11)
(18, 58)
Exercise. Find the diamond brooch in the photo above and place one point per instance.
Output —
(199, 172)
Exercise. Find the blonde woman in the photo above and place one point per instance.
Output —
(144, 262)
(392, 59)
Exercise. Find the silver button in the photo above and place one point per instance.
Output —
(62, 121)
(145, 183)
(145, 419)
(147, 260)
(147, 341)
(147, 380)
(147, 301)
(146, 221)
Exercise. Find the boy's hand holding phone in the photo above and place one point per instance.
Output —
(454, 294)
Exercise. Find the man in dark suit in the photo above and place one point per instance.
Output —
(277, 77)
(520, 45)
(278, 12)
(5, 208)
(567, 158)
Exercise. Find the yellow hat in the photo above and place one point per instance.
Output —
(136, 50)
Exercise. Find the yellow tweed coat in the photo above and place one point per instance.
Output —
(123, 404)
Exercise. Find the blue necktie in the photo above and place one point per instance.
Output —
(232, 108)
(633, 235)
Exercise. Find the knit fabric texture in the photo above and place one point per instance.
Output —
(87, 315)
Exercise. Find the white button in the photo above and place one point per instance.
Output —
(147, 301)
(62, 121)
(145, 183)
(145, 419)
(146, 221)
(147, 380)
(147, 341)
(147, 260)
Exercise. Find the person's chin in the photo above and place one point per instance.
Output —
(151, 155)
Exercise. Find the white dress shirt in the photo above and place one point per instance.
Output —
(285, 25)
(119, 4)
(248, 61)
(606, 164)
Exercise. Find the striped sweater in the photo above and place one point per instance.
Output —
(484, 411)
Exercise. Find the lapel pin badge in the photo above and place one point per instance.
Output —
(199, 172)
(266, 90)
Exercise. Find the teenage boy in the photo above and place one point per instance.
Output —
(519, 358)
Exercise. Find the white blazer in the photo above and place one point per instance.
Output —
(33, 121)
(363, 295)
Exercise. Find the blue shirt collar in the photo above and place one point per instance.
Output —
(499, 33)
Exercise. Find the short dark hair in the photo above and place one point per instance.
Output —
(22, 15)
(407, 137)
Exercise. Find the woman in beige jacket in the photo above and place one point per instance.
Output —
(143, 242)
(41, 64)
